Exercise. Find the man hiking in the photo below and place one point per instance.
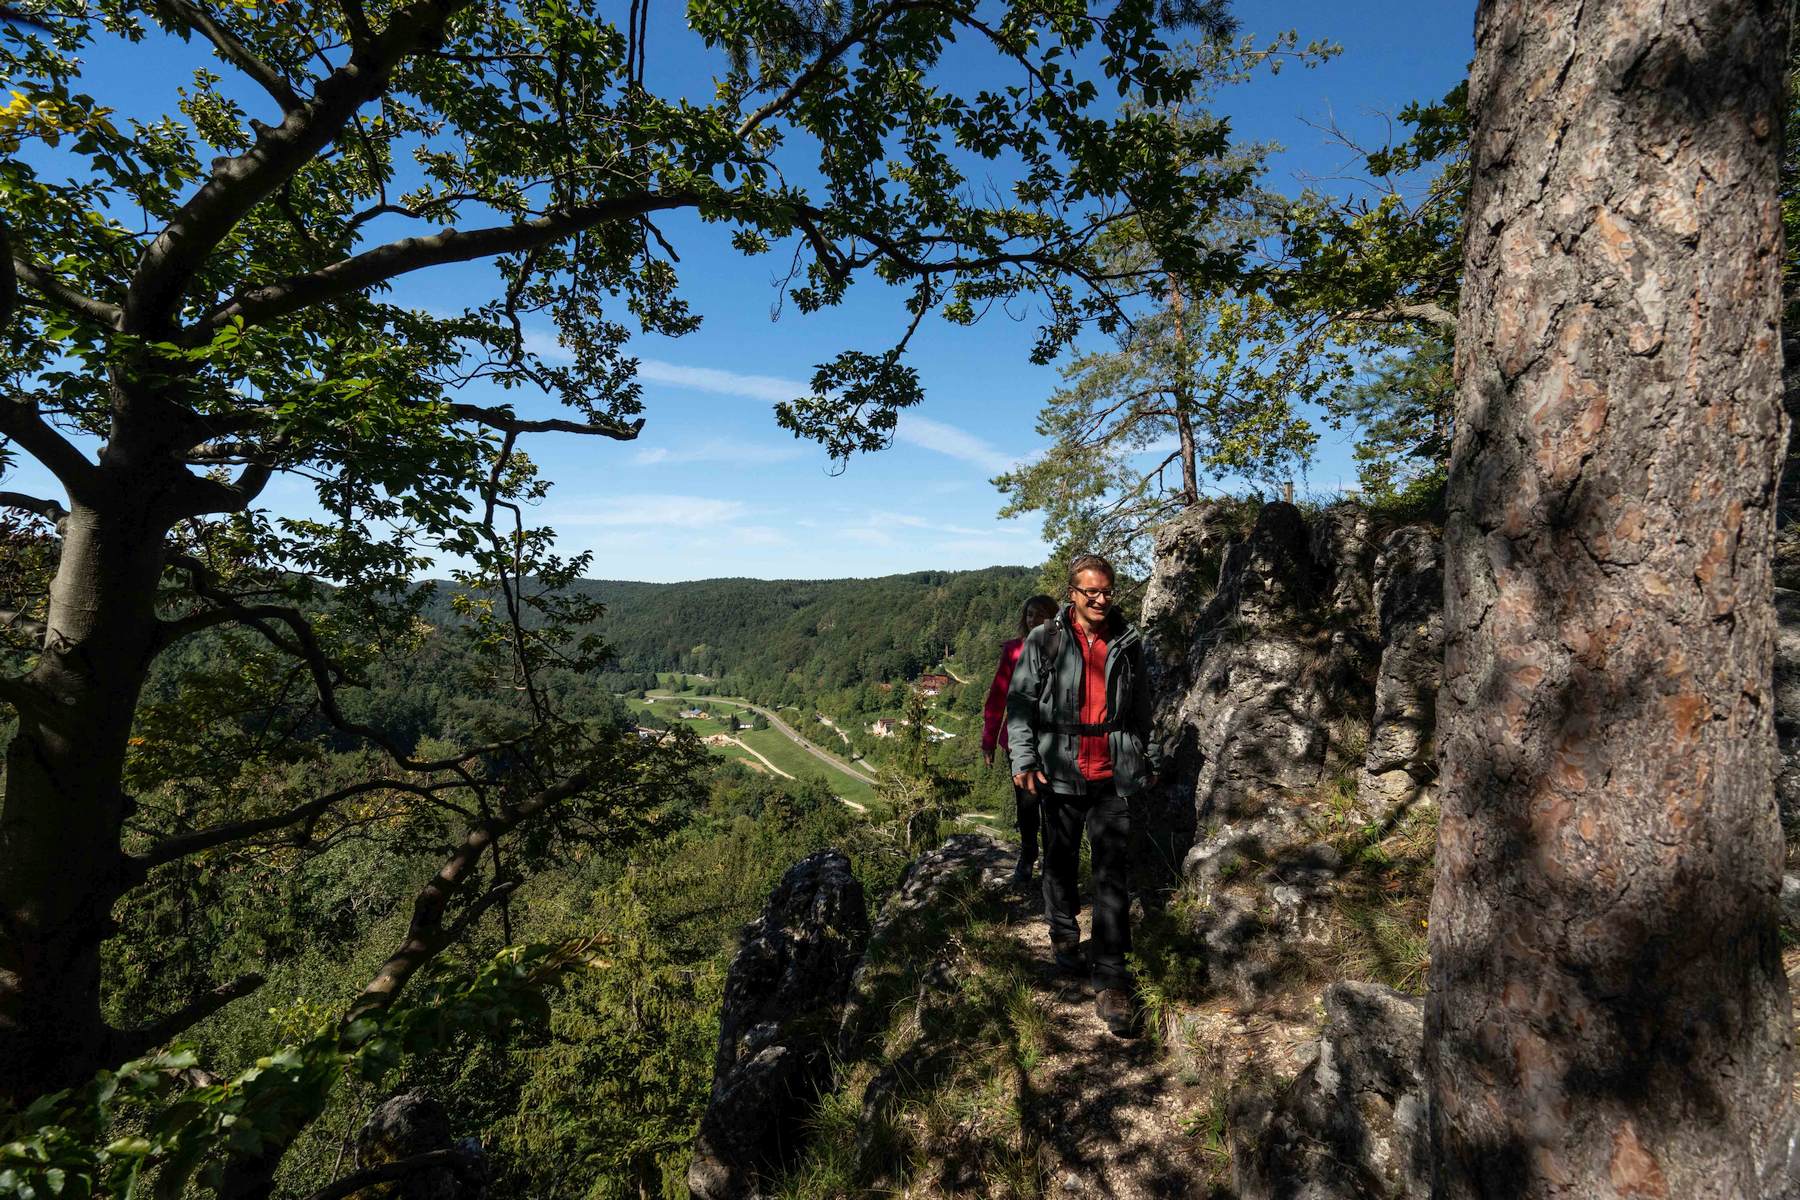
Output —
(1078, 730)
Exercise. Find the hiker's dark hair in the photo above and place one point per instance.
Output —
(1037, 610)
(1091, 562)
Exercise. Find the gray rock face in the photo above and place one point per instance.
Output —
(1398, 767)
(967, 860)
(1188, 551)
(1275, 664)
(1343, 550)
(413, 1123)
(782, 996)
(1354, 1124)
(1315, 662)
(1244, 711)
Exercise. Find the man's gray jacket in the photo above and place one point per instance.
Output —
(1043, 707)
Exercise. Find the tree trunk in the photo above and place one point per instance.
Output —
(1608, 1014)
(63, 807)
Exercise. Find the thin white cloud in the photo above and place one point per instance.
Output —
(760, 535)
(928, 434)
(724, 383)
(771, 388)
(719, 450)
(667, 512)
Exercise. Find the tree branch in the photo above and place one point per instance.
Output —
(238, 184)
(819, 65)
(1426, 311)
(503, 420)
(16, 621)
(50, 510)
(182, 845)
(383, 263)
(400, 1168)
(425, 934)
(9, 275)
(130, 1043)
(233, 51)
(64, 296)
(21, 421)
(302, 645)
(485, 901)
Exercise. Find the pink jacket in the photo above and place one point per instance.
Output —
(993, 713)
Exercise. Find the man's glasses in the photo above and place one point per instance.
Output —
(1093, 593)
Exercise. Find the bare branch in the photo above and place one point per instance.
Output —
(21, 421)
(1432, 314)
(485, 901)
(182, 845)
(502, 419)
(130, 1043)
(400, 1168)
(14, 621)
(50, 510)
(192, 15)
(64, 296)
(303, 644)
(383, 263)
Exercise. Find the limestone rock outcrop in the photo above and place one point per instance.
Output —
(1267, 697)
(1354, 1124)
(966, 862)
(1278, 658)
(1398, 767)
(783, 995)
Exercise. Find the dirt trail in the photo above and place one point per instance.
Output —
(1111, 1111)
(739, 743)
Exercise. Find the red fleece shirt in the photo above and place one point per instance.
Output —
(1094, 758)
(993, 713)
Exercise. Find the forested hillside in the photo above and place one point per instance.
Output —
(785, 640)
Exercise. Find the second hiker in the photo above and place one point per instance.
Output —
(1037, 610)
(1078, 732)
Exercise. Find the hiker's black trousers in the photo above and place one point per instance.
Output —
(1107, 818)
(1027, 806)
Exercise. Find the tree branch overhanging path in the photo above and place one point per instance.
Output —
(247, 330)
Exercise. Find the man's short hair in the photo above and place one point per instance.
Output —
(1090, 562)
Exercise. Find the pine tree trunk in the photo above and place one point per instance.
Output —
(1608, 1014)
(63, 808)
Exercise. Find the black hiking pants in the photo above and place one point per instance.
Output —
(1027, 805)
(1106, 816)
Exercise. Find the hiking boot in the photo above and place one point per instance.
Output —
(1115, 1007)
(1021, 876)
(1068, 957)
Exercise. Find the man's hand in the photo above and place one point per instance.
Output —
(1031, 781)
(987, 755)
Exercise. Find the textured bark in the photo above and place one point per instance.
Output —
(1608, 1013)
(60, 863)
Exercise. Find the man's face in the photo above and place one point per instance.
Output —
(1091, 595)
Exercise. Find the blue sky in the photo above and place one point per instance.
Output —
(714, 488)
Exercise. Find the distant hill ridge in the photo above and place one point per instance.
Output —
(812, 635)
